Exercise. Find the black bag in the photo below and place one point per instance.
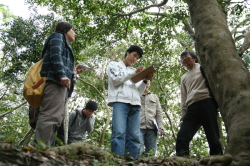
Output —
(33, 116)
(208, 87)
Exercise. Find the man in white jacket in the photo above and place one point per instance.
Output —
(124, 97)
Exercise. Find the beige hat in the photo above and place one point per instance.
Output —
(83, 65)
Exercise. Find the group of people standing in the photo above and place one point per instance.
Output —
(136, 112)
(129, 101)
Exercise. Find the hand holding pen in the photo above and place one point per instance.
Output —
(139, 68)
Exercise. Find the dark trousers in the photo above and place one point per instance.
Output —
(201, 113)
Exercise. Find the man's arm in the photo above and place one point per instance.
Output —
(72, 116)
(57, 44)
(183, 100)
(158, 117)
(141, 85)
(56, 49)
(117, 75)
(90, 124)
(159, 113)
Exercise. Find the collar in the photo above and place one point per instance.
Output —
(125, 65)
(147, 93)
(194, 67)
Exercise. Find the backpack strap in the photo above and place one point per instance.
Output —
(74, 118)
(207, 85)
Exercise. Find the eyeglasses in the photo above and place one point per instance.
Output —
(184, 57)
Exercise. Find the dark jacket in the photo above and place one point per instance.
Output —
(58, 59)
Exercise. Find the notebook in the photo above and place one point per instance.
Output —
(143, 74)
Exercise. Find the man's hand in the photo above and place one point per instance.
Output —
(139, 69)
(149, 77)
(182, 118)
(65, 81)
(161, 132)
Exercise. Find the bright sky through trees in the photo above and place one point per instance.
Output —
(20, 8)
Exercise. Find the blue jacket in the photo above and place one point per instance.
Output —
(58, 59)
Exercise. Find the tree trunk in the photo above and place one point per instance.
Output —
(227, 75)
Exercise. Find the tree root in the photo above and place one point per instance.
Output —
(181, 161)
(79, 148)
(224, 160)
(85, 154)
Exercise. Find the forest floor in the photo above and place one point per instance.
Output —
(82, 154)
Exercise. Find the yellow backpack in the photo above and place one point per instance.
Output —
(34, 85)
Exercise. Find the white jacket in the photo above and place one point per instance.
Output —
(120, 88)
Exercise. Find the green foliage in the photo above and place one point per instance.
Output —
(14, 126)
(23, 43)
(246, 58)
(5, 14)
(41, 146)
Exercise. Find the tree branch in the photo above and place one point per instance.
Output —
(104, 29)
(122, 15)
(175, 31)
(233, 32)
(108, 111)
(6, 90)
(246, 44)
(2, 115)
(143, 9)
(28, 135)
(93, 87)
(165, 108)
(189, 29)
(106, 124)
(156, 14)
(109, 115)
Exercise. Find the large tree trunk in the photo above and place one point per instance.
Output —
(227, 74)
